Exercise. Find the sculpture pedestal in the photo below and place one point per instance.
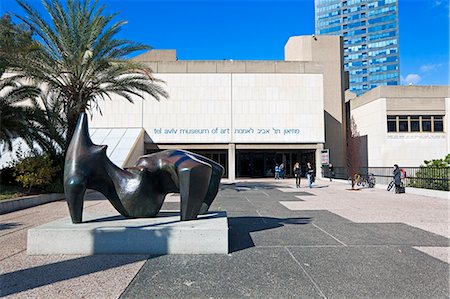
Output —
(110, 234)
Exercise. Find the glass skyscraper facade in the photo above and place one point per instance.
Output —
(370, 32)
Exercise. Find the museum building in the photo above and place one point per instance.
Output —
(246, 115)
(402, 125)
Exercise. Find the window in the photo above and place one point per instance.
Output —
(438, 123)
(403, 124)
(392, 124)
(426, 123)
(415, 123)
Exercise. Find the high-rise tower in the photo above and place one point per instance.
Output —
(370, 31)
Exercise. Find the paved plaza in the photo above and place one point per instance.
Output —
(324, 242)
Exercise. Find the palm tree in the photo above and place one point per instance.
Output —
(15, 119)
(80, 60)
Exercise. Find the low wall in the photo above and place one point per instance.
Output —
(11, 205)
(418, 191)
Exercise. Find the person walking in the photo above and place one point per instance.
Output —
(309, 174)
(397, 178)
(297, 174)
(331, 171)
(277, 172)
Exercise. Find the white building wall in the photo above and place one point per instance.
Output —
(370, 120)
(226, 108)
(404, 149)
(447, 122)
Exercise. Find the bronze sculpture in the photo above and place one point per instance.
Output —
(138, 191)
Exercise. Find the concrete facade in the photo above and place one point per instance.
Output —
(326, 51)
(232, 107)
(408, 149)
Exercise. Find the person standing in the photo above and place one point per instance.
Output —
(331, 171)
(277, 172)
(397, 178)
(297, 174)
(309, 174)
(282, 170)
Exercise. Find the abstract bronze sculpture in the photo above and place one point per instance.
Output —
(138, 191)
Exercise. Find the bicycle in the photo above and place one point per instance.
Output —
(357, 179)
(370, 180)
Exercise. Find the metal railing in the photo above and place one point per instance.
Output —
(436, 178)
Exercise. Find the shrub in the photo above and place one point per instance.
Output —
(39, 171)
(435, 174)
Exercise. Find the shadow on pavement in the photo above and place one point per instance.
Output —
(241, 227)
(9, 225)
(27, 279)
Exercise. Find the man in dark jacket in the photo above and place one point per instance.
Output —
(397, 178)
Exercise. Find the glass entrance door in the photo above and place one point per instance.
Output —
(262, 164)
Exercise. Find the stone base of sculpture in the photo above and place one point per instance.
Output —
(114, 234)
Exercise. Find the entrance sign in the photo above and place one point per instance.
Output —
(325, 156)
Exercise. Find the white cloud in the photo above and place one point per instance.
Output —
(411, 79)
(430, 67)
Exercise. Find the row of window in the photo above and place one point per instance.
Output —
(354, 17)
(331, 29)
(328, 22)
(355, 25)
(381, 3)
(383, 10)
(323, 2)
(383, 68)
(383, 60)
(330, 14)
(382, 35)
(334, 6)
(387, 51)
(356, 71)
(415, 123)
(383, 19)
(355, 40)
(383, 27)
(382, 44)
(351, 2)
(383, 76)
(353, 9)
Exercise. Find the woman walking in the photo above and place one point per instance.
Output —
(297, 174)
(309, 174)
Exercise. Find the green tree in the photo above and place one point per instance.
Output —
(434, 174)
(13, 39)
(80, 61)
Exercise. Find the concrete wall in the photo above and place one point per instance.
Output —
(404, 149)
(328, 52)
(226, 108)
(370, 120)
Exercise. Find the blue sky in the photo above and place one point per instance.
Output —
(258, 30)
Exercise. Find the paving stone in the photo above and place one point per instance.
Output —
(374, 272)
(382, 234)
(255, 273)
